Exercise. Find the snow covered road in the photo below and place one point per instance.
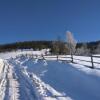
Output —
(18, 87)
(11, 92)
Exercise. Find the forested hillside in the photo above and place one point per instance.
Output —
(57, 47)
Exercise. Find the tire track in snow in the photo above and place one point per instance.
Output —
(11, 92)
(3, 82)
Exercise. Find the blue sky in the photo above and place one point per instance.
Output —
(24, 20)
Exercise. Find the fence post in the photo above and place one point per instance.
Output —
(72, 58)
(92, 62)
(57, 57)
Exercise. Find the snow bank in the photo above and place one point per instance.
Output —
(3, 79)
(1, 65)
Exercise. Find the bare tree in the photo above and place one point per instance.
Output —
(71, 42)
(59, 47)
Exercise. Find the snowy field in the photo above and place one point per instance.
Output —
(25, 77)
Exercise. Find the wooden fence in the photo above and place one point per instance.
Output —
(71, 58)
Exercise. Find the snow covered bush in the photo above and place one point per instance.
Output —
(83, 50)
